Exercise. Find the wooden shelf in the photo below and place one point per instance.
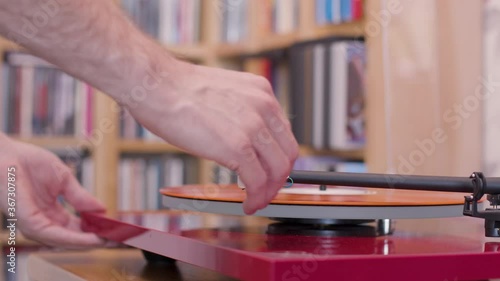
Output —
(6, 45)
(227, 50)
(278, 41)
(350, 29)
(56, 143)
(141, 146)
(354, 155)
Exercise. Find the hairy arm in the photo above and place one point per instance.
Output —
(226, 116)
(86, 38)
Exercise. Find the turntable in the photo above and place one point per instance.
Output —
(325, 226)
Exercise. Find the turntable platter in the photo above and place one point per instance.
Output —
(309, 202)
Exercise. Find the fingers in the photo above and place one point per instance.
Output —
(252, 173)
(269, 108)
(280, 128)
(274, 161)
(266, 165)
(274, 145)
(78, 196)
(58, 232)
(59, 215)
(62, 237)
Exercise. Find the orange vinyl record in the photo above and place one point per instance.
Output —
(305, 194)
(308, 201)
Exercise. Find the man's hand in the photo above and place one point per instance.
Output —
(41, 177)
(227, 116)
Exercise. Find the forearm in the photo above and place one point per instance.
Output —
(90, 39)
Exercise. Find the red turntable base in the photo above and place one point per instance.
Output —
(253, 248)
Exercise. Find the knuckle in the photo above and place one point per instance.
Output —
(263, 83)
(233, 165)
(239, 142)
(254, 126)
(264, 137)
(242, 149)
(276, 124)
(245, 147)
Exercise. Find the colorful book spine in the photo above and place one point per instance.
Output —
(42, 100)
(338, 11)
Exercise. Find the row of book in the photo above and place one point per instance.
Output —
(140, 179)
(169, 21)
(223, 175)
(329, 164)
(278, 16)
(327, 94)
(320, 85)
(179, 21)
(234, 19)
(276, 70)
(284, 16)
(39, 99)
(338, 11)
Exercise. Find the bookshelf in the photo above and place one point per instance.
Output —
(212, 51)
(56, 143)
(141, 146)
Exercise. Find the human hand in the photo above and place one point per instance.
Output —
(229, 117)
(40, 177)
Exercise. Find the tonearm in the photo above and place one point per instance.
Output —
(476, 184)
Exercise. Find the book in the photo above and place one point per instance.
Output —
(326, 93)
(40, 99)
(140, 178)
(337, 11)
(168, 21)
(329, 164)
(318, 96)
(347, 129)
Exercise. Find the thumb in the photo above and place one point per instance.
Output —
(79, 197)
